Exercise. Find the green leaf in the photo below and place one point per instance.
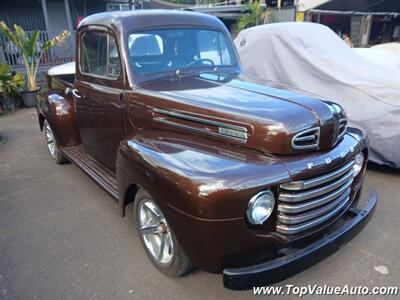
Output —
(4, 69)
(11, 85)
(5, 74)
(31, 45)
(56, 41)
(10, 36)
(23, 39)
(255, 16)
(19, 80)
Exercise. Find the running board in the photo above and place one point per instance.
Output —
(93, 168)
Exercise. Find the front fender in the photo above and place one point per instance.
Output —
(200, 177)
(203, 188)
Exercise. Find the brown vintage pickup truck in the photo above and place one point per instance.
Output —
(225, 175)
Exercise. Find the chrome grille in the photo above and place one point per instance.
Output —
(308, 203)
(307, 139)
(342, 128)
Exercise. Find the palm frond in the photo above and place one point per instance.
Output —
(254, 17)
(31, 46)
(56, 41)
(23, 40)
(10, 36)
(30, 50)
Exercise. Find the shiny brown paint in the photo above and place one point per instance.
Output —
(99, 109)
(201, 181)
(99, 114)
(198, 207)
(58, 109)
(271, 116)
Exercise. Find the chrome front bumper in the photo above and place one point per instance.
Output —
(283, 267)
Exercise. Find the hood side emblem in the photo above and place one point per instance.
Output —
(233, 132)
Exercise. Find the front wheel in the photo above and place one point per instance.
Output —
(158, 239)
(54, 150)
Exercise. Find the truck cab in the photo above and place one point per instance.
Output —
(224, 174)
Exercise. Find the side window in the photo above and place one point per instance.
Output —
(99, 55)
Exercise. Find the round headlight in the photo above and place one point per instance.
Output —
(359, 161)
(260, 207)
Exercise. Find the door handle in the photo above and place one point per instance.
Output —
(75, 94)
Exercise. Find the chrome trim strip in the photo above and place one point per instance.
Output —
(300, 228)
(296, 219)
(315, 192)
(181, 126)
(306, 138)
(287, 208)
(309, 183)
(199, 120)
(342, 122)
(299, 136)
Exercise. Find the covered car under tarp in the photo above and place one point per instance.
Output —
(311, 59)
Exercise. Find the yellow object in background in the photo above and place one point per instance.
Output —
(299, 16)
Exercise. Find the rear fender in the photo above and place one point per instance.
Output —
(59, 110)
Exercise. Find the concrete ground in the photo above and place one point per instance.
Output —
(61, 236)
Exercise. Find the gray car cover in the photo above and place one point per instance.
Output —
(312, 59)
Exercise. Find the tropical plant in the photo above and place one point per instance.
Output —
(10, 84)
(255, 16)
(31, 50)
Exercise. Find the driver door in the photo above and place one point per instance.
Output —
(98, 93)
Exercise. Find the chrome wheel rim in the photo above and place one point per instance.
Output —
(48, 133)
(155, 232)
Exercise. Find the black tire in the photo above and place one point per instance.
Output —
(180, 263)
(56, 154)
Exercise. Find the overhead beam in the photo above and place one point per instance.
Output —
(45, 14)
(68, 15)
(338, 12)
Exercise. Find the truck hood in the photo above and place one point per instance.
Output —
(258, 117)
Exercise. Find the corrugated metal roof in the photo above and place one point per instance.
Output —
(304, 5)
(362, 5)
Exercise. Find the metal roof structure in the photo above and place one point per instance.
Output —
(305, 5)
(360, 7)
(227, 10)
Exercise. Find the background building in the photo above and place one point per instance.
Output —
(51, 17)
(368, 22)
(229, 11)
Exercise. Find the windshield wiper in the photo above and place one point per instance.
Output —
(189, 71)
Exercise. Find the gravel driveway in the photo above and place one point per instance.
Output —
(61, 236)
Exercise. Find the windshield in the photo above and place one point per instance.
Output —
(162, 50)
